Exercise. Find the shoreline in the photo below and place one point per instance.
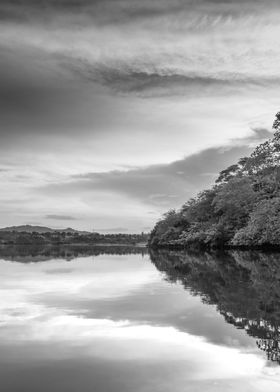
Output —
(269, 247)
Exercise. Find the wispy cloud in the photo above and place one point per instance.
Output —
(60, 217)
(91, 87)
(152, 41)
(160, 186)
(113, 230)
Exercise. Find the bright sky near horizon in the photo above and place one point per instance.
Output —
(114, 111)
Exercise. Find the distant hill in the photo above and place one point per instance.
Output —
(40, 229)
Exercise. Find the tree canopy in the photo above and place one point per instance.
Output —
(241, 209)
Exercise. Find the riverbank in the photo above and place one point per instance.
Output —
(180, 247)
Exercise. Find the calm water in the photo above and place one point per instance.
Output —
(90, 321)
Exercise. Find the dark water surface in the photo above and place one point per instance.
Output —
(106, 320)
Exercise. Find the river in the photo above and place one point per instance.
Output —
(124, 320)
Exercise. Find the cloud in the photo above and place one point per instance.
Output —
(39, 97)
(113, 230)
(161, 186)
(60, 217)
(194, 49)
(104, 11)
(162, 82)
(167, 82)
(207, 41)
(120, 11)
(92, 87)
(260, 134)
(56, 271)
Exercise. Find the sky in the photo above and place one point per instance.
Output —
(114, 111)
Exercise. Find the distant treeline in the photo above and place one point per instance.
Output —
(68, 238)
(242, 209)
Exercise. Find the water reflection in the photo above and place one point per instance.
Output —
(244, 286)
(117, 322)
(28, 254)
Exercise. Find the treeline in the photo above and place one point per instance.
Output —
(69, 238)
(242, 209)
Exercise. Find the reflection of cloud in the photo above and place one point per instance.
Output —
(87, 279)
(28, 320)
(121, 340)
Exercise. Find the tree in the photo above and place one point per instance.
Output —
(241, 209)
(263, 227)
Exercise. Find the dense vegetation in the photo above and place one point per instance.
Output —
(244, 286)
(242, 208)
(69, 238)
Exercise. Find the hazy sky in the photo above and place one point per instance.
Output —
(113, 111)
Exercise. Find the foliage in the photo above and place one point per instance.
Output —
(263, 227)
(68, 238)
(241, 209)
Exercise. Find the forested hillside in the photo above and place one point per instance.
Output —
(241, 209)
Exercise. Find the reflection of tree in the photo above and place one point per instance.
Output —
(271, 347)
(26, 254)
(243, 285)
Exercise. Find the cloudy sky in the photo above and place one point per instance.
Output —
(113, 111)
